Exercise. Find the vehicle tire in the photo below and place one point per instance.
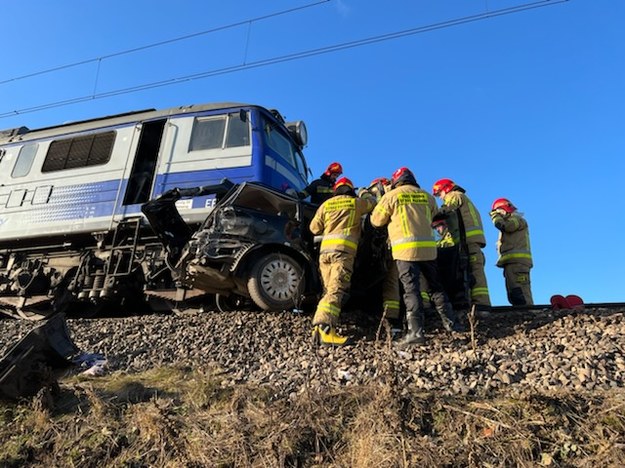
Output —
(276, 282)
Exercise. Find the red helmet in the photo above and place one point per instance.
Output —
(343, 181)
(401, 176)
(334, 168)
(443, 186)
(438, 222)
(504, 204)
(380, 180)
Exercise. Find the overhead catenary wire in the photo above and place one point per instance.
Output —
(160, 43)
(290, 57)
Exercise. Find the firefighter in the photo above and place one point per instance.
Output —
(469, 229)
(513, 247)
(390, 286)
(320, 190)
(338, 220)
(445, 239)
(408, 211)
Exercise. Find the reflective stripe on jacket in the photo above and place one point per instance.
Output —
(471, 218)
(408, 211)
(513, 245)
(319, 190)
(446, 240)
(339, 221)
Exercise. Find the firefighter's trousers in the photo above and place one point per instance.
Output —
(479, 288)
(390, 291)
(336, 270)
(518, 284)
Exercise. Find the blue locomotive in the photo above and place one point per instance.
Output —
(71, 228)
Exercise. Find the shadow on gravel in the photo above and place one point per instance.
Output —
(503, 324)
(497, 325)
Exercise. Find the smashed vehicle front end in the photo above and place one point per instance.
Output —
(251, 219)
(255, 243)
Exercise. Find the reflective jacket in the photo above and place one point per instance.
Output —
(446, 240)
(474, 229)
(319, 190)
(408, 211)
(339, 221)
(513, 245)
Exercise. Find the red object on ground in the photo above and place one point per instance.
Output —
(571, 301)
(575, 302)
(558, 302)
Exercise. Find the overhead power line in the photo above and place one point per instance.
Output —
(291, 57)
(160, 43)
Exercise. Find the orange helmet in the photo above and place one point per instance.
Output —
(334, 168)
(343, 181)
(403, 175)
(504, 204)
(443, 186)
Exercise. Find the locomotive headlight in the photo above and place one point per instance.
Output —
(299, 132)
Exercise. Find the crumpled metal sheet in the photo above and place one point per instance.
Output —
(30, 364)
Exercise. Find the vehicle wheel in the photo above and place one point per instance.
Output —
(276, 282)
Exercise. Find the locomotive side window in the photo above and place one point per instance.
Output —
(219, 132)
(24, 160)
(238, 131)
(82, 151)
(208, 133)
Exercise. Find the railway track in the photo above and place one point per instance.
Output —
(107, 313)
(537, 307)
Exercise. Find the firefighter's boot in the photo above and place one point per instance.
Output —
(414, 335)
(447, 314)
(326, 335)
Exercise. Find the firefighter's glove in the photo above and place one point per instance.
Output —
(366, 195)
(498, 220)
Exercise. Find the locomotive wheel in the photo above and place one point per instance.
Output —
(276, 282)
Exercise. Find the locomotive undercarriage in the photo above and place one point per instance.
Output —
(113, 269)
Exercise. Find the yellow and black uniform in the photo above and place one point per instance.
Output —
(391, 297)
(515, 256)
(338, 220)
(407, 211)
(319, 190)
(456, 199)
(445, 239)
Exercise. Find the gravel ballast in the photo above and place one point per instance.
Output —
(543, 350)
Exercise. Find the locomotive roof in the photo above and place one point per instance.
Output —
(23, 133)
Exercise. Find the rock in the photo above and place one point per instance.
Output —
(538, 352)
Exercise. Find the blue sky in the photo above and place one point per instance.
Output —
(529, 105)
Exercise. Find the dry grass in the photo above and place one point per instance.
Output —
(175, 417)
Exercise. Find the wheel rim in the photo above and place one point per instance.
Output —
(280, 280)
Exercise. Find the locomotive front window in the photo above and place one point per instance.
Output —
(82, 151)
(24, 160)
(301, 165)
(280, 144)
